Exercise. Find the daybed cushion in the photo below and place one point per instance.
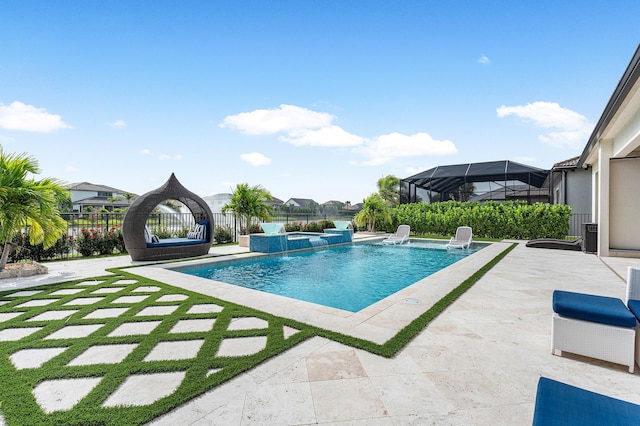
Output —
(170, 242)
(588, 307)
(634, 307)
(561, 404)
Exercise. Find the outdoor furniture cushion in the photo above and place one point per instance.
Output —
(172, 242)
(562, 404)
(634, 307)
(588, 307)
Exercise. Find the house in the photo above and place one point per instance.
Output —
(613, 155)
(85, 194)
(217, 201)
(300, 202)
(571, 186)
(274, 202)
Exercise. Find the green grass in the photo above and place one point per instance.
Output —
(19, 406)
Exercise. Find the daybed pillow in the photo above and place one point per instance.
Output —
(200, 230)
(147, 235)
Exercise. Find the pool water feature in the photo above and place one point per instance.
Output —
(350, 277)
(272, 228)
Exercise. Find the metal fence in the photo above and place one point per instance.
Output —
(165, 225)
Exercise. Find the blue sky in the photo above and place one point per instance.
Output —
(310, 99)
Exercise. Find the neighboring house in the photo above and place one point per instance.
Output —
(299, 202)
(86, 194)
(217, 201)
(613, 153)
(275, 202)
(571, 185)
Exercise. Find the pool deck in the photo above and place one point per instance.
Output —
(478, 363)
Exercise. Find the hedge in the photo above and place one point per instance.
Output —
(515, 219)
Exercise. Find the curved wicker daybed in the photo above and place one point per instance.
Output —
(134, 222)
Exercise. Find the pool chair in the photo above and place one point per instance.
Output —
(462, 238)
(597, 326)
(401, 236)
(558, 403)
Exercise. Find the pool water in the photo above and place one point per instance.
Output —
(345, 277)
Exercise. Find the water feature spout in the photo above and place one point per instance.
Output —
(272, 228)
(342, 225)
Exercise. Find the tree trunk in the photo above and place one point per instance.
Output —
(5, 255)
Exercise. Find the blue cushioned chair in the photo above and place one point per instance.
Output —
(595, 326)
(565, 405)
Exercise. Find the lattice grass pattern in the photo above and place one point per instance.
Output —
(128, 302)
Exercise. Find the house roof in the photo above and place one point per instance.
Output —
(98, 201)
(445, 179)
(87, 186)
(301, 201)
(571, 163)
(623, 89)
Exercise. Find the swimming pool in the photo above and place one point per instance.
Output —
(346, 277)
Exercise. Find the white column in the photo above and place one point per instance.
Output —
(604, 156)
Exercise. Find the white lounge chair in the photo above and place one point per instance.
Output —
(401, 236)
(462, 239)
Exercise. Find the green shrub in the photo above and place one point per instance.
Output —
(514, 219)
(27, 251)
(223, 234)
(293, 226)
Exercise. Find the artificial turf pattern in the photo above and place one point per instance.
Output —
(19, 405)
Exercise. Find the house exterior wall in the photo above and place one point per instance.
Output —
(578, 191)
(624, 198)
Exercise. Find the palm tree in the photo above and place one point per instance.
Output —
(248, 202)
(389, 189)
(374, 210)
(27, 202)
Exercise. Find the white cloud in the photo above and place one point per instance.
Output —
(484, 59)
(71, 169)
(255, 159)
(118, 124)
(385, 148)
(145, 151)
(285, 118)
(303, 127)
(567, 128)
(6, 139)
(326, 136)
(20, 116)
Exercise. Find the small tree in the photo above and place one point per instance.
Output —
(25, 202)
(374, 210)
(248, 202)
(389, 189)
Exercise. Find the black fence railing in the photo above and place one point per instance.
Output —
(101, 233)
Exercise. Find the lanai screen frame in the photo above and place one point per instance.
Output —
(444, 180)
